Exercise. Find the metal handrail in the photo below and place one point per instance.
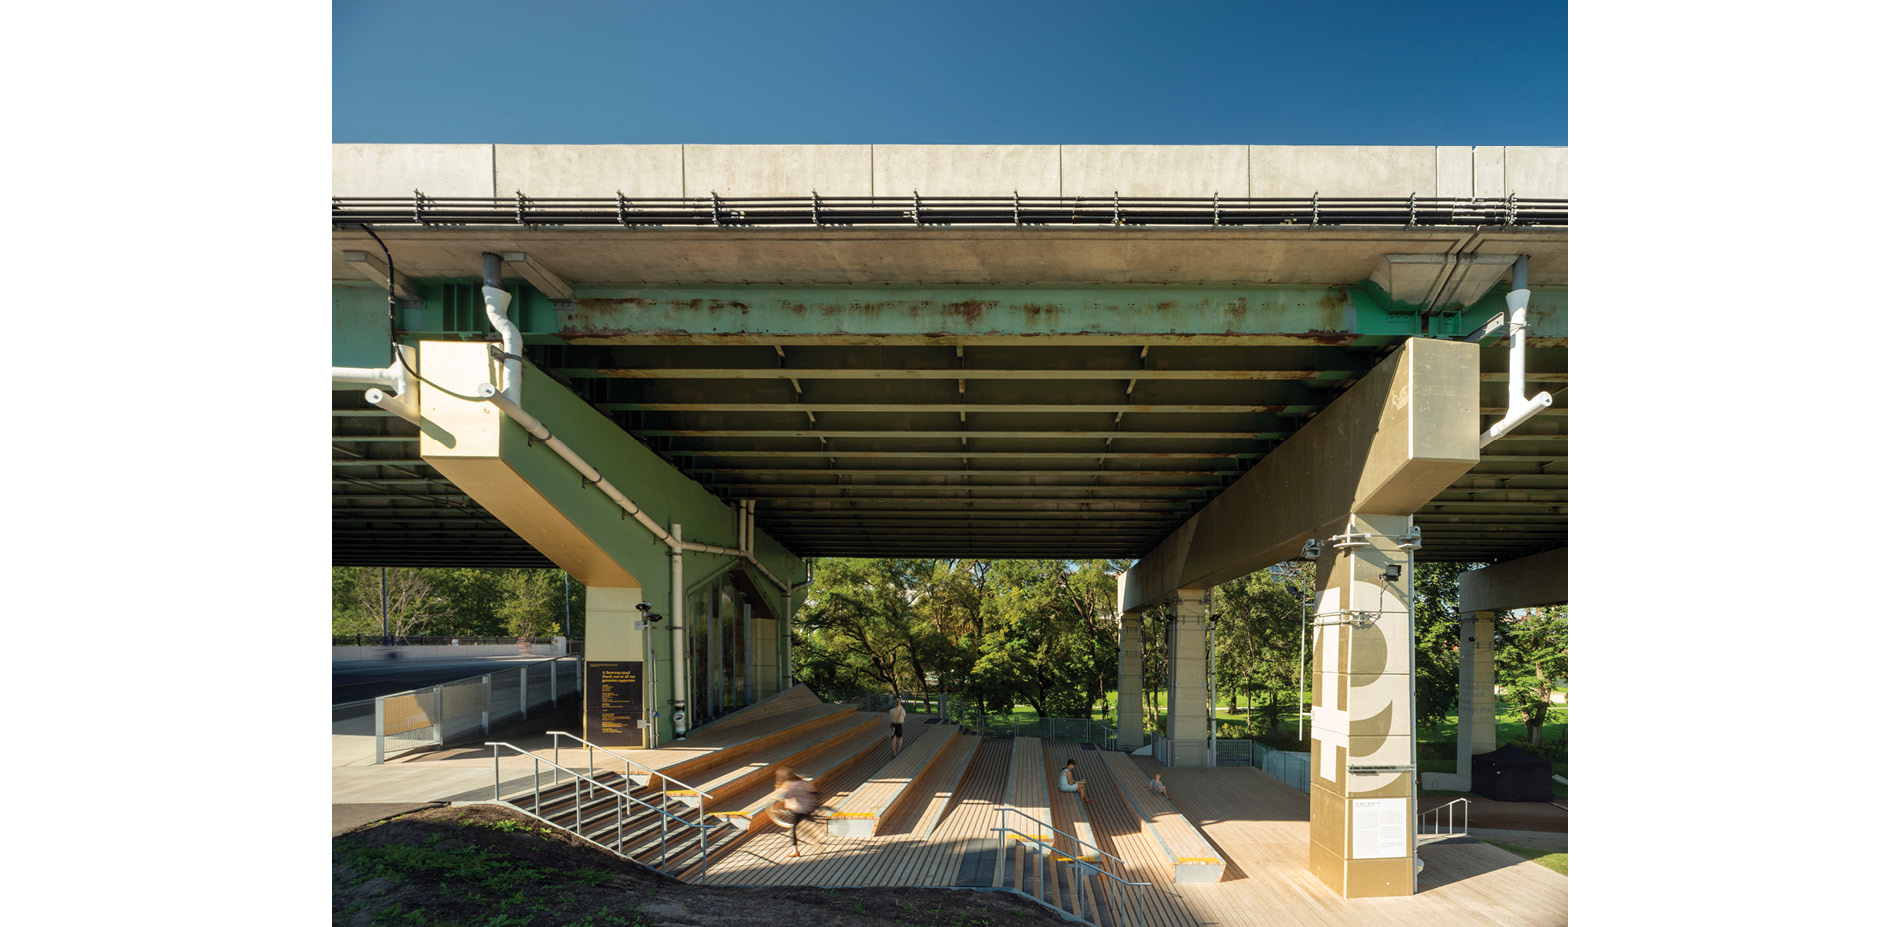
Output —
(619, 808)
(1463, 809)
(1002, 835)
(705, 798)
(1079, 842)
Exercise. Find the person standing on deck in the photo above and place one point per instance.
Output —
(897, 727)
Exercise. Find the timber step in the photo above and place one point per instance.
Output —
(1182, 845)
(860, 814)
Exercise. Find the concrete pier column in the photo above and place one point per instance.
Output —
(1477, 691)
(1187, 682)
(617, 647)
(1363, 803)
(1128, 720)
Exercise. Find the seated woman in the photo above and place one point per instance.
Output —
(1067, 781)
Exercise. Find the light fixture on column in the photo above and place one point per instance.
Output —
(1412, 540)
(1391, 573)
(1311, 550)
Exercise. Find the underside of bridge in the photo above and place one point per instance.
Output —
(1199, 381)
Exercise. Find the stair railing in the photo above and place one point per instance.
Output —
(1128, 896)
(1457, 818)
(623, 797)
(627, 766)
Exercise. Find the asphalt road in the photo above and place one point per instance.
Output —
(354, 681)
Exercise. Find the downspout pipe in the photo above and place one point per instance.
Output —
(1517, 304)
(677, 602)
(497, 300)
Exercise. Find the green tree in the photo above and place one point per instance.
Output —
(415, 604)
(1435, 630)
(1533, 659)
(1257, 645)
(530, 603)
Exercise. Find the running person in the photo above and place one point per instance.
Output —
(897, 727)
(799, 797)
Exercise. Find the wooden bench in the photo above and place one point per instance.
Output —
(1181, 843)
(858, 815)
(1027, 789)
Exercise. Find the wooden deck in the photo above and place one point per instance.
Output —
(942, 835)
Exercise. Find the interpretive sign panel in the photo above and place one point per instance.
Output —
(1378, 828)
(614, 703)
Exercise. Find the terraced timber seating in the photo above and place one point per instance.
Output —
(803, 724)
(795, 699)
(738, 768)
(624, 813)
(858, 815)
(1066, 809)
(824, 763)
(1028, 787)
(1181, 843)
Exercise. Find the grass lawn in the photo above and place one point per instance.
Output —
(1553, 860)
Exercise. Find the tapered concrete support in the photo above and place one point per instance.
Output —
(1128, 721)
(1363, 801)
(1187, 683)
(1477, 692)
(617, 645)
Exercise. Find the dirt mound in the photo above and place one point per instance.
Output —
(487, 864)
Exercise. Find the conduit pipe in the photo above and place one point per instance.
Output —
(1517, 303)
(393, 389)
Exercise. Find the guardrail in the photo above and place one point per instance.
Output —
(1456, 816)
(1121, 895)
(819, 210)
(1294, 769)
(623, 798)
(433, 716)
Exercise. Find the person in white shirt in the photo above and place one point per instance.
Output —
(897, 727)
(1067, 782)
(800, 798)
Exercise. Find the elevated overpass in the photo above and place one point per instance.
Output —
(1200, 357)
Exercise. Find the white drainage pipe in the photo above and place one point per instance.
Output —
(1517, 304)
(394, 390)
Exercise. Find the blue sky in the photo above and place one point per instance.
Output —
(977, 71)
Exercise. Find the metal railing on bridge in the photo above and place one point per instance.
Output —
(818, 210)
